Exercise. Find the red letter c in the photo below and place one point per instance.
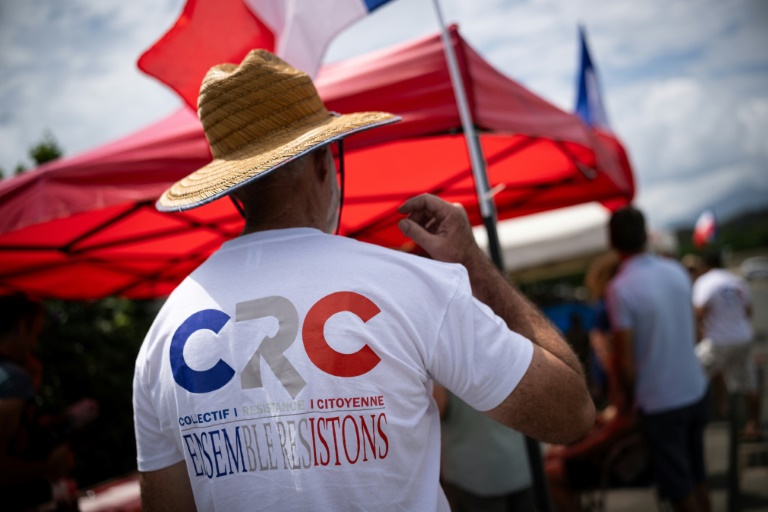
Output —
(318, 350)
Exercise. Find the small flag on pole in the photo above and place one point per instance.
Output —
(705, 230)
(589, 99)
(211, 32)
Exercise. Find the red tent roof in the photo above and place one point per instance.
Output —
(85, 227)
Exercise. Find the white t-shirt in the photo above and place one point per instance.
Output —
(726, 298)
(293, 371)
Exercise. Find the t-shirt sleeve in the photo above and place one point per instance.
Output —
(601, 316)
(476, 356)
(618, 311)
(700, 293)
(155, 448)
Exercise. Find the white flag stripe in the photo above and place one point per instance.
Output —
(303, 29)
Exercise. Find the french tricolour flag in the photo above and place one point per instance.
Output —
(705, 230)
(210, 32)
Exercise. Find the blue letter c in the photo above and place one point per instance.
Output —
(196, 381)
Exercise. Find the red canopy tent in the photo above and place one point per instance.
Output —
(85, 227)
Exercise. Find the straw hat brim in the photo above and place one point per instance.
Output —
(223, 175)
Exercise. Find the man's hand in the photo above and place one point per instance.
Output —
(440, 228)
(551, 403)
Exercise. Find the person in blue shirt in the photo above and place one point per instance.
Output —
(654, 334)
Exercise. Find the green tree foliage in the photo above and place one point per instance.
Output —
(44, 151)
(20, 168)
(87, 350)
(746, 231)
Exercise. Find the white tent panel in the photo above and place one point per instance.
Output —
(551, 237)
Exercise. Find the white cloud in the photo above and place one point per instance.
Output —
(683, 126)
(752, 115)
(677, 200)
(686, 83)
(70, 68)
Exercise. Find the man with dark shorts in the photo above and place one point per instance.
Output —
(649, 305)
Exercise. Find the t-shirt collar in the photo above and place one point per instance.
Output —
(272, 235)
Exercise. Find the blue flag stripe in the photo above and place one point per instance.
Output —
(371, 5)
(589, 102)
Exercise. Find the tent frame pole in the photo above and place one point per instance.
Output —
(489, 215)
(482, 186)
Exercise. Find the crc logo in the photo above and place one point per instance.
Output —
(272, 349)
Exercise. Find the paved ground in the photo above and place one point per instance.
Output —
(752, 464)
(753, 495)
(752, 457)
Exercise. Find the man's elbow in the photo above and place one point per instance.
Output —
(568, 415)
(575, 411)
(580, 420)
(565, 422)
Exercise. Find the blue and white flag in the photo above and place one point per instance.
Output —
(303, 29)
(589, 100)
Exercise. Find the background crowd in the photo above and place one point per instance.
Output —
(484, 465)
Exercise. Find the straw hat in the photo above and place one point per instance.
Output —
(258, 116)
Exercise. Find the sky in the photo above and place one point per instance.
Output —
(685, 82)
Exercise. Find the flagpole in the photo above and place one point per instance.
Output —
(488, 212)
(482, 186)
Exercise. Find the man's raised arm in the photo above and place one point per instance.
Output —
(551, 403)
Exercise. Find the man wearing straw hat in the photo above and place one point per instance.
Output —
(293, 369)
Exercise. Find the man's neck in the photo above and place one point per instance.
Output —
(624, 256)
(284, 219)
(297, 208)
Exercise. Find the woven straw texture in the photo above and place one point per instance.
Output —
(256, 117)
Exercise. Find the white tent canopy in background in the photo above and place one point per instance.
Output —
(550, 237)
(561, 235)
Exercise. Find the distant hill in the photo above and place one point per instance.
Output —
(743, 198)
(745, 231)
